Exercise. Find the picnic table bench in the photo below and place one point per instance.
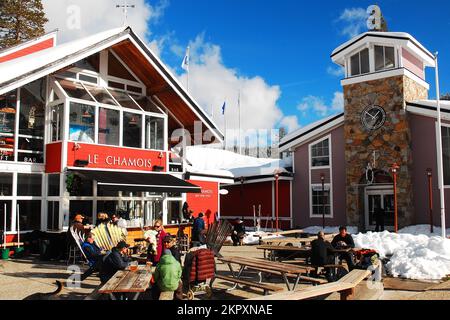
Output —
(266, 287)
(290, 250)
(126, 281)
(345, 287)
(286, 271)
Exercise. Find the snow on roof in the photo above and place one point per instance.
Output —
(313, 128)
(218, 160)
(24, 65)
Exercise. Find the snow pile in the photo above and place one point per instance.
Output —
(423, 229)
(413, 256)
(316, 229)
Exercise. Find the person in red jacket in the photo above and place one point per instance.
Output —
(158, 227)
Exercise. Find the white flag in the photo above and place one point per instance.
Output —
(185, 64)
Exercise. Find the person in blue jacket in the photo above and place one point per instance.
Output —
(198, 229)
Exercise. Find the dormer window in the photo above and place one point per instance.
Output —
(384, 58)
(360, 63)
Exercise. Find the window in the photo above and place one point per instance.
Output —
(124, 99)
(108, 126)
(29, 214)
(75, 90)
(320, 154)
(446, 154)
(57, 122)
(82, 122)
(52, 215)
(8, 103)
(384, 58)
(91, 63)
(79, 187)
(5, 204)
(154, 133)
(31, 122)
(53, 185)
(6, 182)
(146, 104)
(321, 200)
(81, 207)
(101, 95)
(174, 214)
(117, 69)
(132, 130)
(359, 63)
(29, 184)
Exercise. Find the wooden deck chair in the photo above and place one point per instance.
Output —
(217, 234)
(78, 238)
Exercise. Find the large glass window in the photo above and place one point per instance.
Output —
(6, 182)
(101, 95)
(359, 63)
(79, 187)
(29, 214)
(117, 69)
(8, 103)
(53, 185)
(82, 122)
(5, 205)
(108, 126)
(384, 58)
(124, 99)
(146, 104)
(53, 215)
(57, 122)
(91, 63)
(154, 133)
(321, 201)
(174, 214)
(320, 154)
(132, 130)
(81, 207)
(29, 184)
(75, 90)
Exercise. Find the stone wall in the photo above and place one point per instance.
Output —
(392, 142)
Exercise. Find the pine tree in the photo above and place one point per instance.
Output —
(20, 20)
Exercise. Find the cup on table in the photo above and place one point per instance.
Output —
(133, 266)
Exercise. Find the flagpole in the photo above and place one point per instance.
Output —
(439, 151)
(188, 66)
(239, 108)
(225, 132)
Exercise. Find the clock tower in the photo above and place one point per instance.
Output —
(383, 71)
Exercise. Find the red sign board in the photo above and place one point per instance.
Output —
(207, 201)
(107, 157)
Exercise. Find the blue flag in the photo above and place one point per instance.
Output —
(223, 108)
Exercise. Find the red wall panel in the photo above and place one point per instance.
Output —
(206, 201)
(53, 157)
(106, 157)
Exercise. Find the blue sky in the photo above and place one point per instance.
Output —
(276, 52)
(288, 42)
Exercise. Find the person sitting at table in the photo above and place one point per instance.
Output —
(94, 255)
(167, 277)
(238, 232)
(120, 222)
(117, 260)
(170, 243)
(344, 240)
(322, 254)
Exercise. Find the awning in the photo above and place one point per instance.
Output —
(137, 182)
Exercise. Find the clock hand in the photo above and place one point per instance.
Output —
(368, 113)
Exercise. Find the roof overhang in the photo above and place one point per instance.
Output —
(401, 39)
(314, 130)
(428, 108)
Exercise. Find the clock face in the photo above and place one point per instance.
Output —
(373, 117)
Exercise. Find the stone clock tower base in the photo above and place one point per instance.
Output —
(383, 147)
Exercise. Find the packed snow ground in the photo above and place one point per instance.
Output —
(413, 253)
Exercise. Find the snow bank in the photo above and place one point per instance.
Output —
(316, 229)
(423, 229)
(414, 256)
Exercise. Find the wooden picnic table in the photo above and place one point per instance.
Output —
(293, 251)
(268, 267)
(126, 281)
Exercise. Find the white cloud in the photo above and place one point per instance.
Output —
(80, 18)
(290, 123)
(354, 20)
(318, 105)
(336, 71)
(211, 83)
(338, 102)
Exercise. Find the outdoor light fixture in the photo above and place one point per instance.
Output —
(158, 168)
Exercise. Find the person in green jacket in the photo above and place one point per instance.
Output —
(167, 276)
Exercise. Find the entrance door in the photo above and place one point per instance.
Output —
(385, 198)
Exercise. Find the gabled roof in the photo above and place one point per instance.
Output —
(307, 133)
(402, 38)
(21, 71)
